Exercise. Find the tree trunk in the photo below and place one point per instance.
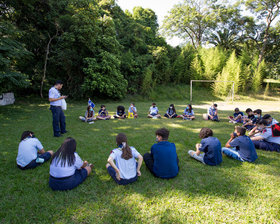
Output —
(46, 62)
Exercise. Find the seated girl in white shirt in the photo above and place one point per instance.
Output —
(67, 169)
(126, 170)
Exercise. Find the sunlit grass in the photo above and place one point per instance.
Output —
(233, 192)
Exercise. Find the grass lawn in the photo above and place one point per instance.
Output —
(233, 192)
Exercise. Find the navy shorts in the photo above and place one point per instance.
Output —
(68, 183)
(267, 146)
(112, 173)
(46, 156)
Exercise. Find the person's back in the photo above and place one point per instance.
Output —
(211, 146)
(245, 148)
(165, 159)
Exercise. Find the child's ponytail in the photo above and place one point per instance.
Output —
(126, 150)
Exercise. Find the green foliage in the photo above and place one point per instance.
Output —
(11, 52)
(214, 59)
(231, 72)
(148, 83)
(197, 68)
(258, 77)
(103, 76)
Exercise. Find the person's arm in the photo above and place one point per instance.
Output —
(56, 99)
(42, 151)
(197, 146)
(230, 140)
(140, 160)
(85, 163)
(257, 138)
(252, 132)
(111, 162)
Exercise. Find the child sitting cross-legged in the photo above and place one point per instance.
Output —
(211, 148)
(89, 115)
(103, 113)
(120, 113)
(132, 111)
(125, 169)
(171, 112)
(240, 146)
(188, 113)
(237, 116)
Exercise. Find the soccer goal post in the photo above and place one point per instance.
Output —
(191, 83)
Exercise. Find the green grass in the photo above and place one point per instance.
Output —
(233, 192)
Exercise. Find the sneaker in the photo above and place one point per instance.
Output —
(92, 122)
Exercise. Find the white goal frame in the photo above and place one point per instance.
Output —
(191, 83)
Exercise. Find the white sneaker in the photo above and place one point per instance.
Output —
(92, 122)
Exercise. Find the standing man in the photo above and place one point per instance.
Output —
(59, 125)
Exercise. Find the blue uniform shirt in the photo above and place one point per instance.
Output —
(54, 93)
(165, 159)
(245, 148)
(212, 148)
(236, 114)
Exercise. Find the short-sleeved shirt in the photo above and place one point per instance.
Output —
(128, 167)
(274, 121)
(236, 114)
(102, 113)
(120, 112)
(90, 113)
(212, 148)
(267, 135)
(59, 171)
(187, 112)
(55, 94)
(165, 159)
(170, 111)
(153, 110)
(27, 151)
(212, 111)
(245, 148)
(131, 111)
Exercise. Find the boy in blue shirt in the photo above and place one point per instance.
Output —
(211, 147)
(153, 112)
(237, 116)
(243, 148)
(163, 160)
(213, 113)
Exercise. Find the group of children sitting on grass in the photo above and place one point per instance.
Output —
(68, 170)
(132, 113)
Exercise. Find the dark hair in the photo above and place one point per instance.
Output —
(258, 111)
(102, 106)
(215, 105)
(154, 104)
(121, 108)
(26, 134)
(236, 109)
(241, 130)
(248, 110)
(173, 108)
(266, 116)
(205, 133)
(126, 150)
(163, 132)
(262, 121)
(133, 104)
(190, 108)
(65, 154)
(58, 82)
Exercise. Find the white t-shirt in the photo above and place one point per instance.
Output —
(267, 135)
(58, 171)
(153, 110)
(128, 167)
(54, 94)
(27, 151)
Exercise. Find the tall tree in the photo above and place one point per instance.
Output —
(268, 10)
(191, 20)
